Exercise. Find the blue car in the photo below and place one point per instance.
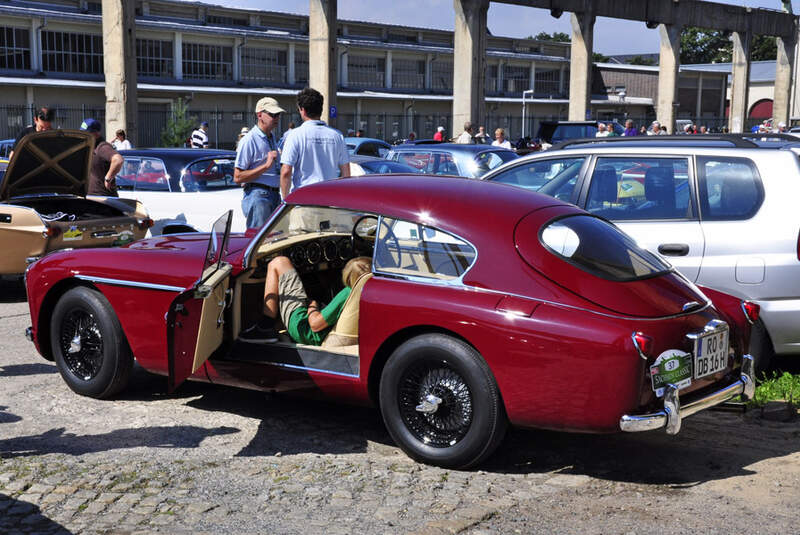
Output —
(367, 146)
(472, 161)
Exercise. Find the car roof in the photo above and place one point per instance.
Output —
(449, 203)
(360, 140)
(361, 158)
(451, 147)
(737, 141)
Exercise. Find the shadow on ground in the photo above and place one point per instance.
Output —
(16, 370)
(12, 291)
(23, 517)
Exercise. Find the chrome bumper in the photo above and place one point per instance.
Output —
(673, 413)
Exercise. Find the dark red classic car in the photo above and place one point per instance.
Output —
(486, 305)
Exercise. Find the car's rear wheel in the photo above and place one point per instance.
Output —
(440, 402)
(761, 348)
(88, 344)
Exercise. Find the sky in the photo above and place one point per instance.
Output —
(611, 36)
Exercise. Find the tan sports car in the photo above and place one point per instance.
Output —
(44, 207)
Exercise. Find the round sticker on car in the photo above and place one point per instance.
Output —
(672, 367)
(123, 238)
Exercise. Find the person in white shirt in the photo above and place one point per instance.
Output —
(602, 131)
(500, 139)
(200, 137)
(466, 135)
(120, 142)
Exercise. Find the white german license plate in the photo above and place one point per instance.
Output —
(710, 353)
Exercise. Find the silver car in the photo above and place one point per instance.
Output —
(724, 211)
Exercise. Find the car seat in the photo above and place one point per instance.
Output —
(345, 331)
(603, 190)
(659, 190)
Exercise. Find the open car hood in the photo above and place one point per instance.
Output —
(54, 162)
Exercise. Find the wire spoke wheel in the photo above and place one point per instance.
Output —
(435, 403)
(81, 344)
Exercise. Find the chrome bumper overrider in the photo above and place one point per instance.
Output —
(673, 413)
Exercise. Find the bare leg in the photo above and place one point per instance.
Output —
(275, 269)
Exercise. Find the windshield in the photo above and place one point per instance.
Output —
(302, 220)
(218, 240)
(600, 248)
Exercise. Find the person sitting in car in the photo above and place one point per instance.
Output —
(285, 297)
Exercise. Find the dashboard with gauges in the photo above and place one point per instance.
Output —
(317, 254)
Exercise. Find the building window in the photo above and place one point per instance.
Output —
(408, 74)
(301, 67)
(226, 21)
(547, 81)
(154, 58)
(264, 65)
(491, 79)
(516, 79)
(365, 71)
(75, 53)
(442, 75)
(207, 62)
(15, 49)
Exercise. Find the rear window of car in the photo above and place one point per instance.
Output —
(598, 247)
(576, 131)
(211, 174)
(555, 177)
(730, 188)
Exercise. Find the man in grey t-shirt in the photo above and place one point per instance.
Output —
(312, 152)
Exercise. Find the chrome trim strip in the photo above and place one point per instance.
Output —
(671, 418)
(636, 345)
(746, 316)
(305, 369)
(249, 251)
(135, 284)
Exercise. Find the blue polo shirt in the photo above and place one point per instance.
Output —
(252, 152)
(315, 151)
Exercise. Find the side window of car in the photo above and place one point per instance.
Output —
(368, 149)
(640, 188)
(151, 175)
(208, 175)
(443, 164)
(730, 188)
(416, 250)
(556, 177)
(417, 160)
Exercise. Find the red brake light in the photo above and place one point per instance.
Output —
(146, 223)
(751, 311)
(643, 344)
(51, 232)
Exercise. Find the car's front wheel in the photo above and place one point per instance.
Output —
(440, 402)
(88, 344)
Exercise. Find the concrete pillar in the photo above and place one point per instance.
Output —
(343, 72)
(698, 103)
(740, 84)
(29, 100)
(532, 76)
(36, 49)
(387, 73)
(119, 67)
(357, 122)
(580, 83)
(290, 64)
(322, 55)
(783, 80)
(669, 61)
(177, 56)
(237, 58)
(469, 63)
(500, 83)
(561, 79)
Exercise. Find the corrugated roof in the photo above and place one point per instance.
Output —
(760, 71)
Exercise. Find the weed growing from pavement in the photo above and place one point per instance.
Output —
(784, 387)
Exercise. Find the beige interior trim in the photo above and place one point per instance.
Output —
(210, 331)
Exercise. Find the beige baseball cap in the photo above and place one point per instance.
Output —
(269, 105)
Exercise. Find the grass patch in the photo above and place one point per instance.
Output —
(784, 387)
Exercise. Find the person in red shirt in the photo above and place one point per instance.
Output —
(439, 135)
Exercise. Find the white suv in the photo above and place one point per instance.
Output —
(724, 211)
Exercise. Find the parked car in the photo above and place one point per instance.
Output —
(722, 209)
(552, 132)
(367, 146)
(450, 158)
(535, 313)
(183, 189)
(44, 207)
(370, 165)
(6, 146)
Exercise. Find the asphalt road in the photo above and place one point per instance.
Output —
(209, 459)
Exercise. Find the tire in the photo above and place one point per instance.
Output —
(469, 422)
(761, 349)
(88, 344)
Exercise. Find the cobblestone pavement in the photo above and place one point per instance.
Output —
(209, 459)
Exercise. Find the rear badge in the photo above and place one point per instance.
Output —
(123, 238)
(73, 234)
(672, 367)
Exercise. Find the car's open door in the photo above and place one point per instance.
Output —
(195, 321)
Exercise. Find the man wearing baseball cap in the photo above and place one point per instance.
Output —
(257, 167)
(106, 162)
(200, 136)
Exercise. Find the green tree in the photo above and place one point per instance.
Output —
(639, 60)
(561, 37)
(597, 57)
(764, 48)
(700, 45)
(179, 126)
